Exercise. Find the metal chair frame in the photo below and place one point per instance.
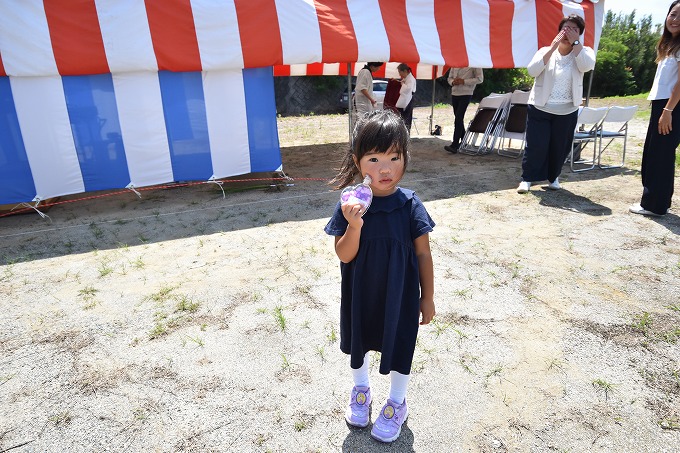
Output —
(589, 124)
(517, 106)
(618, 115)
(488, 118)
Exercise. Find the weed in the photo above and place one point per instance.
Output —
(674, 307)
(88, 292)
(439, 327)
(104, 269)
(62, 418)
(461, 335)
(158, 331)
(495, 372)
(261, 310)
(138, 263)
(279, 317)
(162, 294)
(642, 322)
(332, 336)
(555, 364)
(197, 340)
(300, 425)
(285, 364)
(604, 386)
(186, 304)
(96, 231)
(322, 353)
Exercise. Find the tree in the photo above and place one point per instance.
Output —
(625, 58)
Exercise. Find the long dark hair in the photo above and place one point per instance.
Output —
(375, 132)
(668, 45)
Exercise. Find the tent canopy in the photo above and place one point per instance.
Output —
(105, 94)
(77, 37)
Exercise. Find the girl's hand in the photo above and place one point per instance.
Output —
(427, 311)
(352, 213)
(665, 122)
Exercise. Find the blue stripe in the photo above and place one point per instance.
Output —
(92, 111)
(265, 153)
(186, 124)
(16, 178)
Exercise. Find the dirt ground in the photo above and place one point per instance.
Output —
(185, 321)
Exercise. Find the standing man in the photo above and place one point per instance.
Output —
(463, 82)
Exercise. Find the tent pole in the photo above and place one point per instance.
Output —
(590, 84)
(434, 86)
(349, 101)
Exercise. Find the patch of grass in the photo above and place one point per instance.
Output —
(285, 364)
(162, 294)
(674, 307)
(186, 304)
(642, 322)
(158, 330)
(279, 317)
(62, 418)
(332, 336)
(605, 387)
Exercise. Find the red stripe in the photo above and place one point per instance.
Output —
(402, 44)
(380, 73)
(501, 13)
(2, 68)
(76, 38)
(338, 41)
(315, 69)
(589, 13)
(281, 70)
(258, 26)
(343, 69)
(173, 34)
(449, 19)
(548, 16)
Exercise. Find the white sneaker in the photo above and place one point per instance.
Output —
(524, 187)
(555, 185)
(637, 209)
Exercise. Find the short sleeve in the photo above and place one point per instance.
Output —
(421, 222)
(337, 225)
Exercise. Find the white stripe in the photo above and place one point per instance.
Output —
(599, 17)
(424, 31)
(524, 33)
(298, 70)
(46, 131)
(142, 124)
(225, 106)
(476, 32)
(332, 68)
(25, 39)
(370, 30)
(299, 28)
(217, 33)
(127, 38)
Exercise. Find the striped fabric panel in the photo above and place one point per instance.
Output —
(99, 36)
(62, 135)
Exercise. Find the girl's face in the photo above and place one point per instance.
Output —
(385, 169)
(673, 20)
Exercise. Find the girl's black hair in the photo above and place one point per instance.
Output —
(667, 45)
(575, 18)
(375, 132)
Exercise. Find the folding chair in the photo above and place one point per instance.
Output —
(487, 118)
(618, 116)
(588, 130)
(514, 124)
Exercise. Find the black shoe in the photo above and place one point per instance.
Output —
(452, 149)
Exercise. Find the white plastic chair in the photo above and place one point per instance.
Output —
(616, 116)
(588, 130)
(514, 124)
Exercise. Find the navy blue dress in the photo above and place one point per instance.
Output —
(380, 295)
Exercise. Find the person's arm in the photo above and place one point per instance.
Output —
(584, 57)
(666, 119)
(368, 96)
(347, 245)
(539, 61)
(426, 270)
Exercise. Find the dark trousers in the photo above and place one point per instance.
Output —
(548, 143)
(658, 162)
(460, 105)
(407, 114)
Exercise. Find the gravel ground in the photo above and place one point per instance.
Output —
(184, 321)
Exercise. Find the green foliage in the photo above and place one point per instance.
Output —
(626, 55)
(503, 81)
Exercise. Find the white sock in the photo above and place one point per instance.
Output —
(399, 386)
(360, 375)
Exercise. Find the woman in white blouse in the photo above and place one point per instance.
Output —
(406, 92)
(363, 98)
(663, 133)
(553, 103)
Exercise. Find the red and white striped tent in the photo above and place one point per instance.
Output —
(105, 94)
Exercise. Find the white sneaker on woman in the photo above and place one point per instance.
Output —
(555, 185)
(524, 187)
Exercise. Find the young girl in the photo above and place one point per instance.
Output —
(386, 268)
(663, 134)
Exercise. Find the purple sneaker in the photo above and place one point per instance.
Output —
(388, 425)
(359, 410)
